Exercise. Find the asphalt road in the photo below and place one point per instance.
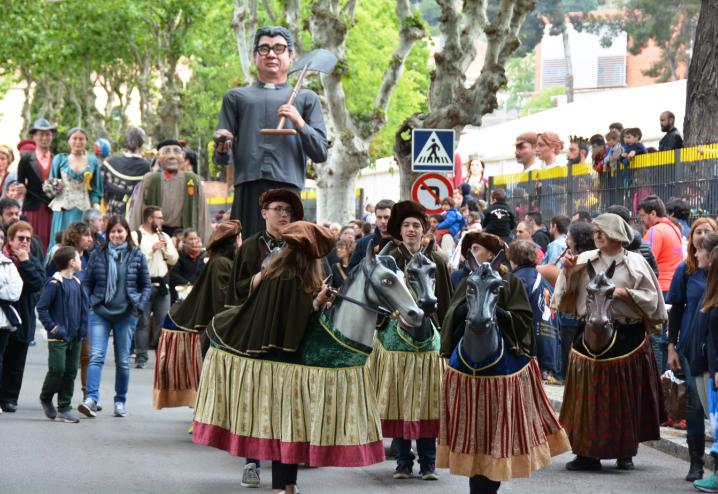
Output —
(150, 451)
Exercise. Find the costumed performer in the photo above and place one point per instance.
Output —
(122, 172)
(612, 400)
(270, 323)
(408, 374)
(179, 353)
(496, 421)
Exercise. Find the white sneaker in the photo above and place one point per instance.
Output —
(250, 477)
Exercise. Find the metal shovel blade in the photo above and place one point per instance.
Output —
(319, 60)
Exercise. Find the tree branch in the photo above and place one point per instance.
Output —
(244, 24)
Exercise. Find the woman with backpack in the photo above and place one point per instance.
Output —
(119, 286)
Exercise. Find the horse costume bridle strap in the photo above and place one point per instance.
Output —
(604, 352)
(382, 301)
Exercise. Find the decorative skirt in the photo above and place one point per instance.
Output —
(500, 427)
(61, 220)
(287, 412)
(178, 369)
(611, 405)
(408, 391)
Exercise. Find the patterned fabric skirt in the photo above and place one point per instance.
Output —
(178, 369)
(287, 412)
(41, 221)
(408, 391)
(609, 406)
(500, 427)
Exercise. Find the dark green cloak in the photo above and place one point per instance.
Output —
(516, 328)
(247, 263)
(207, 297)
(274, 317)
(442, 289)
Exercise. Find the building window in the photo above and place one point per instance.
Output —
(611, 71)
(553, 72)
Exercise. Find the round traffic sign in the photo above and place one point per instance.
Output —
(429, 189)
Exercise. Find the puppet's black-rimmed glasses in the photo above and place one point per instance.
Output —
(278, 49)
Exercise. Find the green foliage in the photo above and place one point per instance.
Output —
(520, 73)
(542, 101)
(370, 44)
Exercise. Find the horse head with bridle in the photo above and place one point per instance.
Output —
(482, 337)
(420, 275)
(599, 330)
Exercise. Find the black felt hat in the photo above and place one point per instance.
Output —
(402, 210)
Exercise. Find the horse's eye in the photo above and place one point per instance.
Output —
(387, 282)
(471, 290)
(495, 289)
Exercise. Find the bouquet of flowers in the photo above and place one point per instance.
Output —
(52, 187)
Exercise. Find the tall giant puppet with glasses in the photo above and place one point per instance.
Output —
(263, 162)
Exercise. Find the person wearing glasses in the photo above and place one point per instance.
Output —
(14, 353)
(178, 193)
(278, 208)
(262, 163)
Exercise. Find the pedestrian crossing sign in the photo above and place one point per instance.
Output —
(432, 150)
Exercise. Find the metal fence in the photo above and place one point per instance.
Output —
(690, 174)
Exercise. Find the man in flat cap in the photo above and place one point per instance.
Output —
(178, 193)
(268, 162)
(33, 169)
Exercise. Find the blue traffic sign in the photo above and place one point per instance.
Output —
(432, 150)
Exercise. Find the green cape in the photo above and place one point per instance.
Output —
(207, 297)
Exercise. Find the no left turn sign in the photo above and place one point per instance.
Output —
(429, 189)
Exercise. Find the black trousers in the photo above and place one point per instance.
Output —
(283, 475)
(246, 203)
(13, 368)
(478, 484)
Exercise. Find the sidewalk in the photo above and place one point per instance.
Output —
(672, 441)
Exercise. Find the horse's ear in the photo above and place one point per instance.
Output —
(591, 271)
(472, 263)
(370, 251)
(611, 270)
(498, 260)
(386, 249)
(429, 248)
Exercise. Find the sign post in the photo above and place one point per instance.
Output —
(432, 150)
(429, 189)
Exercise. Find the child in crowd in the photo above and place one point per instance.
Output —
(614, 150)
(62, 309)
(499, 219)
(452, 221)
(598, 152)
(633, 145)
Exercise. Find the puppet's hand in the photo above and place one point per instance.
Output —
(291, 113)
(223, 141)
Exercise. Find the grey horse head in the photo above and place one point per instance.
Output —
(599, 308)
(481, 335)
(386, 287)
(420, 273)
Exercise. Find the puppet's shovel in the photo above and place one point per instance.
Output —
(320, 60)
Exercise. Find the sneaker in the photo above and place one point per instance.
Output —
(69, 417)
(707, 485)
(250, 477)
(88, 408)
(49, 409)
(140, 364)
(120, 410)
(9, 407)
(428, 472)
(584, 463)
(625, 464)
(402, 472)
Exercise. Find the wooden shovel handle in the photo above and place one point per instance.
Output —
(278, 132)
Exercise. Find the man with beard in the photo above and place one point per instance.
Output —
(577, 150)
(261, 162)
(178, 193)
(672, 139)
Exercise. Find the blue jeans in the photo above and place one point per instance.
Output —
(426, 447)
(99, 331)
(695, 420)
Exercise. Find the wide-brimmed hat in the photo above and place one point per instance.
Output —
(315, 240)
(489, 241)
(283, 195)
(41, 124)
(614, 227)
(224, 230)
(402, 210)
